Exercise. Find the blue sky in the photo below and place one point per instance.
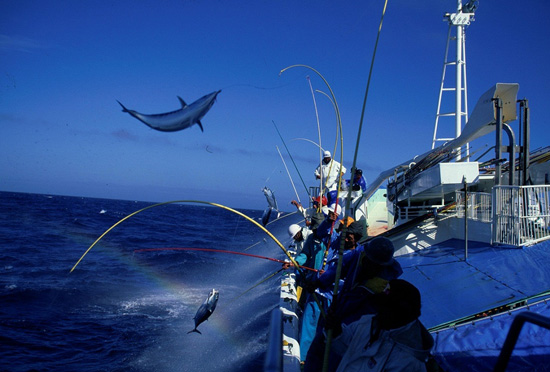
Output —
(65, 63)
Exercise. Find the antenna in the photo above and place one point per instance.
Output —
(459, 20)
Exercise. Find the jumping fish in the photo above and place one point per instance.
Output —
(179, 119)
(270, 196)
(206, 309)
(272, 205)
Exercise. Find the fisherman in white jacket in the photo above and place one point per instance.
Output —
(330, 171)
(392, 340)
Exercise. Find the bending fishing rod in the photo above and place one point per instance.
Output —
(308, 140)
(291, 158)
(321, 185)
(216, 251)
(199, 202)
(348, 198)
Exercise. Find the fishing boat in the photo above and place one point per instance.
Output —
(472, 233)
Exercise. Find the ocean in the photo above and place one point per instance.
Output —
(122, 310)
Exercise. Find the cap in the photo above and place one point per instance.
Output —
(348, 220)
(327, 154)
(316, 220)
(293, 230)
(380, 251)
(356, 228)
(323, 200)
(337, 207)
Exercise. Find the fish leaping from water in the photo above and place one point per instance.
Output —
(179, 119)
(206, 309)
(272, 205)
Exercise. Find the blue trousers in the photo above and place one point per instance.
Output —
(309, 326)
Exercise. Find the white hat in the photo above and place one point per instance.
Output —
(327, 154)
(293, 230)
(337, 207)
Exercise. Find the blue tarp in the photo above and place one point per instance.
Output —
(453, 288)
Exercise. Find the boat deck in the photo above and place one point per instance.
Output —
(491, 277)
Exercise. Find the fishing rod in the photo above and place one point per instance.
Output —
(216, 251)
(321, 185)
(257, 284)
(308, 140)
(287, 172)
(199, 202)
(348, 199)
(291, 158)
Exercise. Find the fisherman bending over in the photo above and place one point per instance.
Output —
(391, 340)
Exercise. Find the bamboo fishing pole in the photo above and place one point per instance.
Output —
(192, 201)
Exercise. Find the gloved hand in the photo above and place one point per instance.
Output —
(376, 284)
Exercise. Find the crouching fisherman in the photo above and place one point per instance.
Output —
(391, 340)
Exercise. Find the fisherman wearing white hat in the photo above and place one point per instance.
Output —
(299, 236)
(330, 172)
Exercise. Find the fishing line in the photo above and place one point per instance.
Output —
(291, 158)
(255, 244)
(217, 251)
(287, 172)
(192, 201)
(255, 285)
(256, 86)
(273, 171)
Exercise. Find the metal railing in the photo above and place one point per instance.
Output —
(513, 334)
(479, 206)
(521, 214)
(274, 355)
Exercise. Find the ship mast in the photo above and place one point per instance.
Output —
(459, 20)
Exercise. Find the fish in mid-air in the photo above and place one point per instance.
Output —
(272, 205)
(206, 309)
(179, 119)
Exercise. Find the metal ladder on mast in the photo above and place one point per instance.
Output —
(459, 20)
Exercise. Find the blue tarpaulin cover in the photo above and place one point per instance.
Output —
(453, 288)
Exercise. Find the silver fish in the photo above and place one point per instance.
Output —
(266, 215)
(179, 119)
(206, 309)
(270, 196)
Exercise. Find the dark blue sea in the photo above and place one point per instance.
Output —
(122, 310)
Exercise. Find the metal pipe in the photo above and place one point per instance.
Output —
(512, 152)
(513, 334)
(465, 218)
(526, 139)
(498, 145)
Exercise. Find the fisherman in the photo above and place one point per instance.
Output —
(391, 340)
(308, 213)
(299, 236)
(358, 299)
(327, 229)
(331, 172)
(312, 256)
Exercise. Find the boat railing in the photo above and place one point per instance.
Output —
(513, 334)
(274, 355)
(478, 206)
(521, 214)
